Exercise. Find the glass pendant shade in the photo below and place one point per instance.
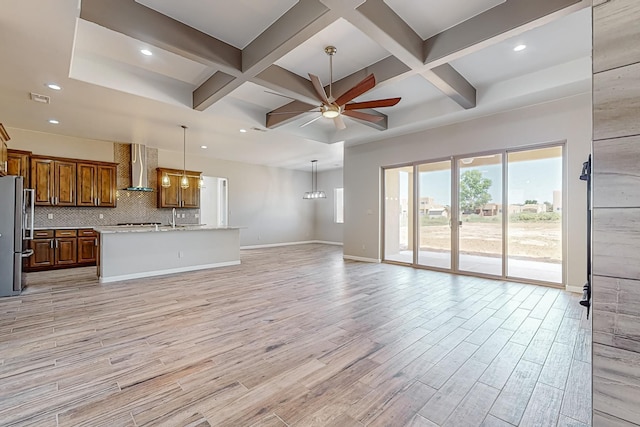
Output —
(184, 182)
(314, 193)
(166, 182)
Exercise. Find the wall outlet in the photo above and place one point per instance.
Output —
(259, 237)
(49, 216)
(364, 247)
(182, 216)
(180, 254)
(101, 216)
(197, 215)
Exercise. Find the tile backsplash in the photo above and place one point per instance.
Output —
(132, 206)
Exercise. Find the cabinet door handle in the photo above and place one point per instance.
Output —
(98, 204)
(95, 242)
(51, 244)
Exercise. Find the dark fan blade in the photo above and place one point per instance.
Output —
(317, 85)
(377, 103)
(363, 116)
(339, 123)
(367, 84)
(311, 121)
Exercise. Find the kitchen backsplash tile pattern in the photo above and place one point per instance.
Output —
(132, 206)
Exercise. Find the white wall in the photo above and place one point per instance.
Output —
(49, 144)
(267, 201)
(326, 229)
(567, 119)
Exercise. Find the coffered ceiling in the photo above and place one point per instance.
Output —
(219, 66)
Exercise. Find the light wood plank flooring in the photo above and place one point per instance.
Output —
(294, 336)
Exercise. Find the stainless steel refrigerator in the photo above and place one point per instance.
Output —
(16, 228)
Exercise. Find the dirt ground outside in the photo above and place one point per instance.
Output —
(535, 241)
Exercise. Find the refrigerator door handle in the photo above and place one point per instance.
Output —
(27, 253)
(29, 215)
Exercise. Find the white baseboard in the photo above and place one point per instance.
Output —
(361, 259)
(167, 271)
(324, 242)
(575, 289)
(275, 245)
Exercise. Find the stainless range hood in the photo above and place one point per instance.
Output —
(139, 180)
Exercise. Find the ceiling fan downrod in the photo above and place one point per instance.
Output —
(330, 50)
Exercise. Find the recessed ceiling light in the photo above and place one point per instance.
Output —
(53, 86)
(53, 121)
(243, 131)
(203, 146)
(146, 52)
(520, 47)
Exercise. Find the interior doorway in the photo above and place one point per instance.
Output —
(214, 208)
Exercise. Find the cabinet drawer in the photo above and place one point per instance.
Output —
(42, 234)
(87, 232)
(66, 233)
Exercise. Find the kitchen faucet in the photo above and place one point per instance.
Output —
(173, 218)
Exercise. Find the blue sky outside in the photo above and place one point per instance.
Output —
(528, 180)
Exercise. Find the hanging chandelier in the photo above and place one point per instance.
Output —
(314, 193)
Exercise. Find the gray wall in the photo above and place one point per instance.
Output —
(266, 201)
(616, 200)
(564, 120)
(326, 229)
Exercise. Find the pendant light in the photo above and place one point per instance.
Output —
(166, 182)
(314, 193)
(184, 181)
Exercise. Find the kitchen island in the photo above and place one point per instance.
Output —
(135, 252)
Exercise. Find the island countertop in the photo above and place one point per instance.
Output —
(131, 252)
(160, 228)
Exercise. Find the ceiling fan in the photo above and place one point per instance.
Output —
(335, 108)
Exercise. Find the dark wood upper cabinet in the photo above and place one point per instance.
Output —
(86, 184)
(174, 196)
(106, 186)
(69, 182)
(42, 180)
(64, 182)
(18, 164)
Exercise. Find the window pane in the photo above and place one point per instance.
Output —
(434, 213)
(480, 216)
(535, 215)
(398, 214)
(338, 212)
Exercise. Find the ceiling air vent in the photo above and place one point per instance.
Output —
(40, 98)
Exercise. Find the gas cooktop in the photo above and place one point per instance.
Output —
(139, 223)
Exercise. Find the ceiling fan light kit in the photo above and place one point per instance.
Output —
(335, 108)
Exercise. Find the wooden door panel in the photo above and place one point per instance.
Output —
(42, 253)
(86, 249)
(169, 197)
(65, 180)
(18, 164)
(66, 251)
(191, 195)
(86, 189)
(106, 186)
(42, 181)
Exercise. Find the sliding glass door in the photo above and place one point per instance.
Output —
(398, 214)
(480, 214)
(535, 214)
(493, 214)
(434, 214)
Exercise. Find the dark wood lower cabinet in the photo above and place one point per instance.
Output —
(63, 249)
(87, 250)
